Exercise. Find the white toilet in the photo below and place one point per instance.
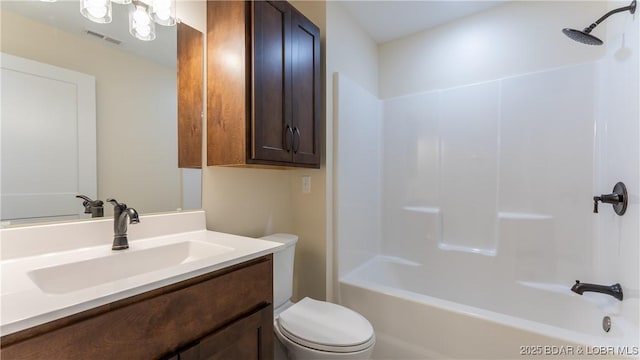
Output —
(311, 329)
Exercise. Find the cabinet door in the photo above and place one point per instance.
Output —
(305, 82)
(227, 82)
(248, 338)
(272, 131)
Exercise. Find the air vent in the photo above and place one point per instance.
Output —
(93, 33)
(103, 37)
(112, 40)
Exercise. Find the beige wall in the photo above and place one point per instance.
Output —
(500, 42)
(136, 136)
(309, 209)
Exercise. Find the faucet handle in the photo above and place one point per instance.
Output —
(88, 201)
(84, 197)
(618, 199)
(93, 207)
(116, 203)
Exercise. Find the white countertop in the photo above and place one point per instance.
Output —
(24, 304)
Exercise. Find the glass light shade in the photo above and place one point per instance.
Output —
(98, 11)
(141, 25)
(164, 12)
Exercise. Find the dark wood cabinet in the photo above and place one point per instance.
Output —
(305, 82)
(271, 125)
(190, 93)
(264, 104)
(227, 314)
(246, 338)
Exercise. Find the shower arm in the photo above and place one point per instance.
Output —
(631, 8)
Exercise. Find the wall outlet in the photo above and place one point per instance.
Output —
(306, 184)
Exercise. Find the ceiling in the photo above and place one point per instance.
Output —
(66, 16)
(389, 20)
(383, 20)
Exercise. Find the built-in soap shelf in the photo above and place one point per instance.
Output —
(523, 216)
(423, 209)
(467, 249)
(430, 217)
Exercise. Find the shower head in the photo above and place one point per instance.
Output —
(582, 36)
(585, 36)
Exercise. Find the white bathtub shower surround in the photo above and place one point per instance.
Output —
(418, 322)
(465, 170)
(358, 172)
(487, 189)
(467, 119)
(502, 148)
(487, 194)
(618, 151)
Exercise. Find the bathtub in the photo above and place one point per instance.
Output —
(423, 317)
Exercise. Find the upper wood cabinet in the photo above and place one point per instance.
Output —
(190, 88)
(263, 85)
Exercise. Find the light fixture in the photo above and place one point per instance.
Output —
(143, 14)
(96, 10)
(141, 23)
(164, 12)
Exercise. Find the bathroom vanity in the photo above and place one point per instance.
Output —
(190, 294)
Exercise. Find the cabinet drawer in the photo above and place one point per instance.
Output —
(152, 324)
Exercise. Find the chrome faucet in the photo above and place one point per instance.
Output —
(120, 214)
(93, 207)
(614, 290)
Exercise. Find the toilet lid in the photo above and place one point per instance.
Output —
(325, 326)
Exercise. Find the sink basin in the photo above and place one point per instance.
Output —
(65, 278)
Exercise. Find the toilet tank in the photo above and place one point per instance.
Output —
(283, 267)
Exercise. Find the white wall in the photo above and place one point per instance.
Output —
(350, 50)
(515, 38)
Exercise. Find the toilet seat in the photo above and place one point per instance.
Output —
(324, 326)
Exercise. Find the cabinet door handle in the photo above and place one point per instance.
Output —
(288, 138)
(296, 144)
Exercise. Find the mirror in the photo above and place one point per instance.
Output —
(135, 106)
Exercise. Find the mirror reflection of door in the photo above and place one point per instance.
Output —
(48, 140)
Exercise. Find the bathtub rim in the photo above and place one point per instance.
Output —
(538, 328)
